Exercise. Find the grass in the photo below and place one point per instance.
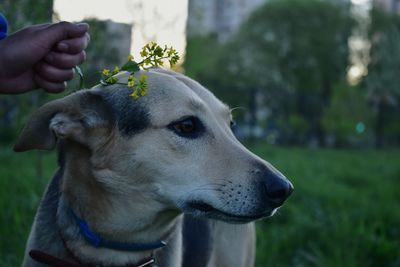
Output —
(21, 187)
(344, 211)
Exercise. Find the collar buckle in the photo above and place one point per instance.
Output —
(148, 263)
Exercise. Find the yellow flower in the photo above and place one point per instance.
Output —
(115, 70)
(153, 55)
(106, 72)
(143, 92)
(171, 51)
(143, 78)
(144, 53)
(134, 95)
(131, 83)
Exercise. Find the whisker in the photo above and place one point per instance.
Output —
(235, 108)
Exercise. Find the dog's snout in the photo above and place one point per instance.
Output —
(276, 187)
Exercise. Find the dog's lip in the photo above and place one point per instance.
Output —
(203, 209)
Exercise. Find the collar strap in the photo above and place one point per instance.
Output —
(3, 27)
(49, 260)
(95, 239)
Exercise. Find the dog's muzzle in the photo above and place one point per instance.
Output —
(241, 204)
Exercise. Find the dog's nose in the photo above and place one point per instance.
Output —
(276, 187)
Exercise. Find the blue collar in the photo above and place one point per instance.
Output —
(3, 27)
(96, 240)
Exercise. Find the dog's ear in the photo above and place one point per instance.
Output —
(73, 117)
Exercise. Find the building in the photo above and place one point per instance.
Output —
(219, 17)
(389, 5)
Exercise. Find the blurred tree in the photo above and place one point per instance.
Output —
(22, 13)
(293, 52)
(221, 67)
(383, 77)
(201, 53)
(348, 119)
(304, 46)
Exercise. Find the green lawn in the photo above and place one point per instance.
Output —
(344, 211)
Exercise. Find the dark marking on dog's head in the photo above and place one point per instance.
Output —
(132, 116)
(95, 102)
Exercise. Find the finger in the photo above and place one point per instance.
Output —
(57, 32)
(49, 86)
(53, 74)
(65, 61)
(73, 45)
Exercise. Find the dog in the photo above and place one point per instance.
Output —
(160, 180)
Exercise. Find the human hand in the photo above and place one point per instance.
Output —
(42, 56)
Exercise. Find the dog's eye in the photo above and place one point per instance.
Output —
(189, 127)
(233, 124)
(186, 126)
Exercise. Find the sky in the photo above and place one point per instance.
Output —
(153, 20)
(359, 44)
(360, 2)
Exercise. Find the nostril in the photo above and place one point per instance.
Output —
(277, 193)
(277, 188)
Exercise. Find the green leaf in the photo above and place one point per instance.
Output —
(131, 66)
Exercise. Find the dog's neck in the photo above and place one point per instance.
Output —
(88, 253)
(113, 218)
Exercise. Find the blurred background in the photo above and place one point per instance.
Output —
(315, 87)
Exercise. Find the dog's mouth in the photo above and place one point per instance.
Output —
(202, 209)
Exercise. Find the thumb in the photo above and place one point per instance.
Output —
(57, 32)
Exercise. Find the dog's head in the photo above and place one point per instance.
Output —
(172, 149)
